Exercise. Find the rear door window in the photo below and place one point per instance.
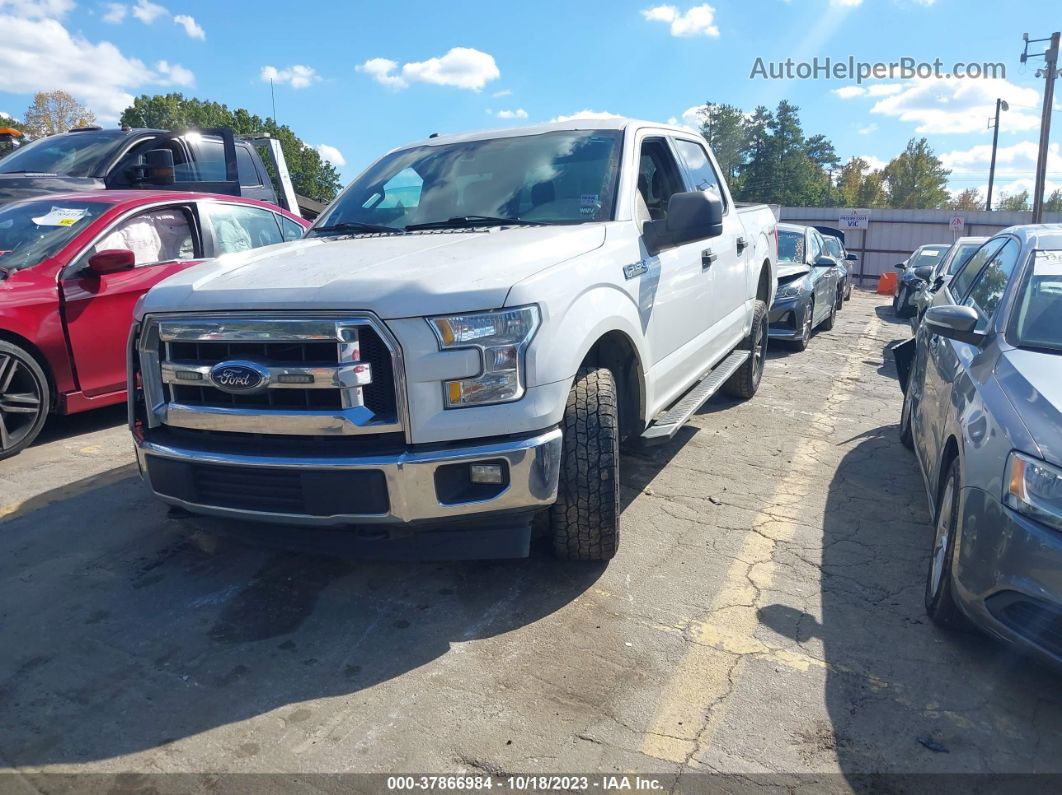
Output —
(290, 229)
(238, 227)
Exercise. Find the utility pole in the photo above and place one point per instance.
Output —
(1000, 105)
(273, 95)
(1050, 72)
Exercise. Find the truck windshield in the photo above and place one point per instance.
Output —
(73, 154)
(1039, 309)
(30, 232)
(568, 176)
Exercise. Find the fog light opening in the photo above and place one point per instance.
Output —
(491, 474)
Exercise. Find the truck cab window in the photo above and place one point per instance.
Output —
(249, 176)
(658, 177)
(699, 167)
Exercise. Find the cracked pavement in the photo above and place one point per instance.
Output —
(764, 615)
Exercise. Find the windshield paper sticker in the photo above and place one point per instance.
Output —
(60, 216)
(1048, 263)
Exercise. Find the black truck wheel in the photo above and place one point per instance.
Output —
(585, 519)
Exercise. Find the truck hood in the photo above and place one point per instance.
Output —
(394, 276)
(28, 186)
(1030, 380)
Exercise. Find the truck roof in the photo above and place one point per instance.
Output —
(577, 123)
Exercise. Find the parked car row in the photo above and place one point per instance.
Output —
(982, 410)
(813, 282)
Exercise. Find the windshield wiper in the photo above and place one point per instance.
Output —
(357, 226)
(460, 221)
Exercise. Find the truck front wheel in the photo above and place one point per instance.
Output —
(585, 519)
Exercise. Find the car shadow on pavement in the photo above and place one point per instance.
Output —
(124, 629)
(64, 427)
(904, 696)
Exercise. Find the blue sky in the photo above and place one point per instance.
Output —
(361, 78)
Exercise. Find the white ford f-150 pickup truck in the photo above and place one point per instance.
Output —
(459, 344)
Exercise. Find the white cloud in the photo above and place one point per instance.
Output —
(846, 3)
(587, 114)
(503, 93)
(690, 119)
(460, 67)
(191, 27)
(1017, 160)
(697, 21)
(875, 163)
(297, 76)
(174, 74)
(847, 92)
(518, 113)
(115, 13)
(883, 89)
(939, 105)
(36, 9)
(331, 154)
(147, 12)
(870, 128)
(41, 53)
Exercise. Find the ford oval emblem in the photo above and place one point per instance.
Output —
(239, 378)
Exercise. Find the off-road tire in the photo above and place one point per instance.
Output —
(940, 604)
(744, 383)
(585, 519)
(25, 399)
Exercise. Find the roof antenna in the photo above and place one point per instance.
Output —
(434, 135)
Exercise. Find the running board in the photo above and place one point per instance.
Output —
(667, 423)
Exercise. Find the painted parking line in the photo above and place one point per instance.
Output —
(694, 702)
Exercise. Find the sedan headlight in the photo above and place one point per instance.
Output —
(785, 293)
(501, 338)
(1034, 488)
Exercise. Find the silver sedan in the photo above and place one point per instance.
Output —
(982, 410)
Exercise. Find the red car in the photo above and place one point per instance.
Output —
(71, 268)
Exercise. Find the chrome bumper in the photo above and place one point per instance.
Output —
(533, 468)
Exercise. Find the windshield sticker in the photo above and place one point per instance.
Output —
(60, 216)
(1048, 263)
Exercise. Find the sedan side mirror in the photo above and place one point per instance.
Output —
(111, 260)
(825, 262)
(900, 266)
(937, 283)
(954, 322)
(694, 216)
(851, 257)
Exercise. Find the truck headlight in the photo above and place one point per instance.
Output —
(501, 337)
(1034, 488)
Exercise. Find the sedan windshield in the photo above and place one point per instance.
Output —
(30, 232)
(73, 154)
(790, 246)
(1038, 323)
(567, 176)
(927, 256)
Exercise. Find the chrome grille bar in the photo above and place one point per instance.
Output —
(345, 376)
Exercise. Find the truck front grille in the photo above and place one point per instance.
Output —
(294, 375)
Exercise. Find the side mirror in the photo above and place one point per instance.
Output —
(851, 257)
(111, 260)
(825, 262)
(937, 284)
(159, 167)
(900, 266)
(694, 216)
(954, 322)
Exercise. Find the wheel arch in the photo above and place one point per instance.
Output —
(38, 356)
(615, 351)
(950, 453)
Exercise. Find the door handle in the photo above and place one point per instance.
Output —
(742, 244)
(707, 258)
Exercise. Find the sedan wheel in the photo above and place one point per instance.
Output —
(23, 399)
(806, 326)
(940, 598)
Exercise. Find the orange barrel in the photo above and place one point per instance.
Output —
(887, 283)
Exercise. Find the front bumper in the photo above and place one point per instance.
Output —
(786, 318)
(403, 487)
(1008, 573)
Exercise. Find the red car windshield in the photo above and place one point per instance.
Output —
(30, 232)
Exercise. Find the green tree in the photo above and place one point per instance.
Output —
(310, 174)
(872, 191)
(758, 178)
(968, 199)
(1052, 204)
(916, 178)
(1017, 201)
(54, 112)
(850, 180)
(7, 121)
(724, 128)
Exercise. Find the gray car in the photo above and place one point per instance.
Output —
(955, 257)
(808, 286)
(982, 410)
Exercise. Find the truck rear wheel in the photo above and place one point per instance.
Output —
(744, 383)
(585, 519)
(24, 399)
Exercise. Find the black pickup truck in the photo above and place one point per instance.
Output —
(92, 158)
